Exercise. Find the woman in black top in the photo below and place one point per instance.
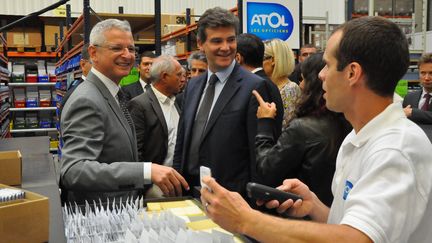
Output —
(308, 147)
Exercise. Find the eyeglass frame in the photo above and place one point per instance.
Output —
(118, 49)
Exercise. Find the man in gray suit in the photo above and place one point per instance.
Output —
(417, 104)
(100, 158)
(156, 114)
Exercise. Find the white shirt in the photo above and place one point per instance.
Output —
(223, 77)
(171, 118)
(423, 99)
(143, 84)
(113, 88)
(382, 181)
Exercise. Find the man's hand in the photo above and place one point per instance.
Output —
(228, 209)
(265, 109)
(408, 111)
(299, 208)
(168, 180)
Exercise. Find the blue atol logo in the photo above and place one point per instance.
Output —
(269, 20)
(348, 187)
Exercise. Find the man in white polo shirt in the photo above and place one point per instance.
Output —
(382, 183)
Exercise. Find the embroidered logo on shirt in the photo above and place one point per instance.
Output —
(348, 187)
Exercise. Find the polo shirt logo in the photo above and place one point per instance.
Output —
(348, 187)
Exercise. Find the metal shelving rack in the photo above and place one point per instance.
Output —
(4, 91)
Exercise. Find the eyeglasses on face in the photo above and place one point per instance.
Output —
(119, 49)
(266, 57)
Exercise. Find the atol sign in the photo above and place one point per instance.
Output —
(273, 19)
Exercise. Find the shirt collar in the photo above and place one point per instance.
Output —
(112, 87)
(223, 74)
(163, 99)
(424, 92)
(390, 115)
(257, 69)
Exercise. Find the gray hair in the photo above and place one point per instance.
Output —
(163, 63)
(196, 55)
(97, 36)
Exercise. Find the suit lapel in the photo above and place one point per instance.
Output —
(158, 110)
(232, 85)
(138, 89)
(194, 93)
(417, 99)
(115, 108)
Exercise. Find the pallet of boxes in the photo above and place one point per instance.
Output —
(24, 215)
(24, 40)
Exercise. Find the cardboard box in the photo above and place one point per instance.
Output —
(169, 28)
(25, 220)
(24, 37)
(180, 47)
(50, 31)
(10, 168)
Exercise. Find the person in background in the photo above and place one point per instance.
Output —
(417, 103)
(183, 80)
(85, 65)
(156, 115)
(137, 88)
(99, 156)
(217, 126)
(382, 186)
(305, 52)
(278, 64)
(307, 148)
(197, 63)
(250, 53)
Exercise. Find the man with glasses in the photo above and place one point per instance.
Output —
(100, 158)
(137, 88)
(417, 103)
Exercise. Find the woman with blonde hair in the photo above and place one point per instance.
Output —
(278, 64)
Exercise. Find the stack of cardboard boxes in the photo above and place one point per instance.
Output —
(22, 220)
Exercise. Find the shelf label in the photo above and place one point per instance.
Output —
(60, 11)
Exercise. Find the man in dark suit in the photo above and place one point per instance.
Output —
(217, 126)
(99, 156)
(417, 104)
(137, 88)
(156, 114)
(250, 54)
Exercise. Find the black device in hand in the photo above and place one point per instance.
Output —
(266, 193)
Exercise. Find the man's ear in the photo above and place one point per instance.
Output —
(239, 58)
(92, 53)
(354, 72)
(199, 43)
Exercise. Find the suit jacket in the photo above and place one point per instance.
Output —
(418, 115)
(275, 97)
(227, 146)
(133, 90)
(99, 155)
(150, 126)
(68, 94)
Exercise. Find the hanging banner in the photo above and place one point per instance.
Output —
(273, 19)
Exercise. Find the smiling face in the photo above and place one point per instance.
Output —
(335, 83)
(115, 65)
(220, 47)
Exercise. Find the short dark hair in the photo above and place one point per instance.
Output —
(214, 18)
(311, 101)
(425, 58)
(251, 48)
(84, 52)
(147, 54)
(379, 46)
(309, 46)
